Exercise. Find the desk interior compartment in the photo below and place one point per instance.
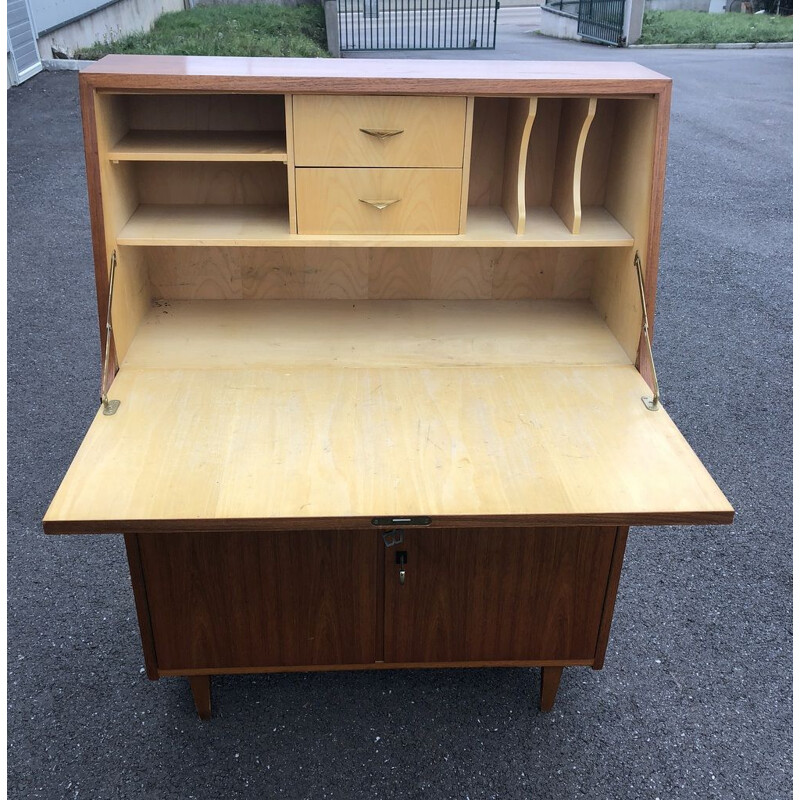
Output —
(526, 163)
(257, 410)
(194, 127)
(181, 166)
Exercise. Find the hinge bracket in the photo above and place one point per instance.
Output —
(109, 406)
(650, 403)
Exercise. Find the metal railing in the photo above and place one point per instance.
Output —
(568, 7)
(602, 21)
(417, 24)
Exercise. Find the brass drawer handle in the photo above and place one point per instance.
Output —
(379, 133)
(379, 204)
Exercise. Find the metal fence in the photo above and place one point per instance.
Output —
(417, 24)
(602, 21)
(569, 7)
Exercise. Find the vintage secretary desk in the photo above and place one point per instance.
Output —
(377, 383)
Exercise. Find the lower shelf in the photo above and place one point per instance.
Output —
(265, 226)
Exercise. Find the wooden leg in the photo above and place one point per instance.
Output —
(201, 692)
(551, 677)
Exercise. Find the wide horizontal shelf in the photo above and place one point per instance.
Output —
(338, 334)
(204, 225)
(265, 226)
(144, 145)
(544, 228)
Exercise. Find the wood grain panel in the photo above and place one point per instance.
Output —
(611, 597)
(119, 198)
(615, 289)
(554, 274)
(331, 131)
(548, 444)
(142, 607)
(225, 273)
(596, 155)
(205, 112)
(542, 152)
(350, 201)
(504, 594)
(132, 298)
(372, 76)
(212, 183)
(283, 598)
(490, 121)
(358, 334)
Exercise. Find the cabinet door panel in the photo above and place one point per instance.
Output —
(261, 599)
(497, 594)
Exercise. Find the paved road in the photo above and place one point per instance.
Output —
(694, 701)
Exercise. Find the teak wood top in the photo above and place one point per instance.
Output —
(371, 76)
(253, 443)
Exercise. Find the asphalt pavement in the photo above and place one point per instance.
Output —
(695, 697)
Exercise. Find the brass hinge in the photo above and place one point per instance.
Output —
(109, 406)
(651, 404)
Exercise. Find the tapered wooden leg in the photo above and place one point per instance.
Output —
(201, 692)
(551, 677)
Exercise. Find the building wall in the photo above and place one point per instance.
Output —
(559, 26)
(110, 22)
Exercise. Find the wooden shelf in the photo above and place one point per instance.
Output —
(544, 228)
(204, 225)
(264, 226)
(236, 334)
(139, 145)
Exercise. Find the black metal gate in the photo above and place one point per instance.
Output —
(602, 21)
(417, 24)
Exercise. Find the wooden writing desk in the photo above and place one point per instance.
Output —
(376, 364)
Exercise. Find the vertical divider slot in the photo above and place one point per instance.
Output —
(576, 119)
(521, 113)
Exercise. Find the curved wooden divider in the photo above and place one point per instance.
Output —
(576, 119)
(521, 113)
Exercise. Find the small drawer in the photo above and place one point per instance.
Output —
(342, 131)
(353, 201)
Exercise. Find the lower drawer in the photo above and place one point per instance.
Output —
(368, 201)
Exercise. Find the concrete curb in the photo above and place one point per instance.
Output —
(64, 64)
(731, 46)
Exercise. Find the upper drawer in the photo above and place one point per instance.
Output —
(340, 131)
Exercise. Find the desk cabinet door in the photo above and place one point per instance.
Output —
(249, 600)
(497, 594)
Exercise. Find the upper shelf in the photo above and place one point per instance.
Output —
(263, 226)
(145, 145)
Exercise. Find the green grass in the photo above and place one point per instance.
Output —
(237, 30)
(695, 27)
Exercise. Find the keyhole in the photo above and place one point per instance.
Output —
(401, 558)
